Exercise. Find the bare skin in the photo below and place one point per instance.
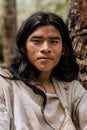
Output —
(44, 50)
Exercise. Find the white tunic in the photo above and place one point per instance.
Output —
(20, 107)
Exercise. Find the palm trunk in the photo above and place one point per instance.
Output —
(10, 27)
(77, 24)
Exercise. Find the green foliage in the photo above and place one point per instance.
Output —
(27, 7)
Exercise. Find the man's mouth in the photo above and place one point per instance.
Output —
(45, 58)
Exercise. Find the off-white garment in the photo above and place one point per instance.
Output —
(21, 109)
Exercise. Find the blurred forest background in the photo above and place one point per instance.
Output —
(74, 13)
(14, 12)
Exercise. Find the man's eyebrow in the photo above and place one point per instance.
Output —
(54, 37)
(51, 37)
(37, 37)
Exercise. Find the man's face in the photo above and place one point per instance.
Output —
(44, 48)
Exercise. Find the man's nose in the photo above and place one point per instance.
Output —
(46, 47)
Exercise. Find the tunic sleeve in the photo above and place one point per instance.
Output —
(4, 116)
(80, 105)
(4, 113)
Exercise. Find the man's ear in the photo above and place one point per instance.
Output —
(63, 51)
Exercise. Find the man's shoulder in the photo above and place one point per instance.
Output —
(4, 72)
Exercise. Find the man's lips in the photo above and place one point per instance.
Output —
(43, 58)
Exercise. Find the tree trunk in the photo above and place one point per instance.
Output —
(77, 24)
(10, 28)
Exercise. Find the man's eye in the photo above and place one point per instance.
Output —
(54, 41)
(36, 41)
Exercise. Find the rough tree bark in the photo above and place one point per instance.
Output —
(77, 24)
(10, 27)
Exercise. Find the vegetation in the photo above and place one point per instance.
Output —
(25, 8)
(31, 6)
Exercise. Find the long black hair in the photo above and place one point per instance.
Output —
(67, 68)
(20, 67)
